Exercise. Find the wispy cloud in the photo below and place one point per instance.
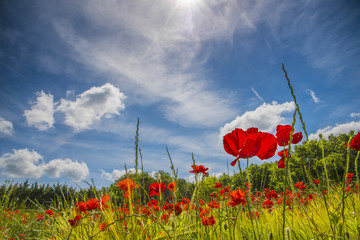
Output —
(265, 117)
(164, 53)
(6, 127)
(41, 114)
(355, 114)
(91, 106)
(24, 163)
(338, 129)
(313, 96)
(257, 94)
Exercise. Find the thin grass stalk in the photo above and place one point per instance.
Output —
(324, 162)
(297, 105)
(344, 186)
(137, 147)
(287, 161)
(356, 167)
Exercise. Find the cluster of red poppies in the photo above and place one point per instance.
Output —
(250, 143)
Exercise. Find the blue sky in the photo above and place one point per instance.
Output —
(76, 75)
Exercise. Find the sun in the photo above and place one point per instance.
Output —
(187, 3)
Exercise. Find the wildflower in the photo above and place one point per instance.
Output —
(249, 143)
(81, 207)
(91, 204)
(267, 204)
(177, 210)
(50, 212)
(349, 178)
(283, 135)
(172, 186)
(354, 143)
(185, 201)
(39, 217)
(208, 221)
(102, 226)
(156, 189)
(213, 195)
(300, 185)
(165, 217)
(127, 185)
(218, 185)
(214, 204)
(316, 181)
(281, 163)
(199, 169)
(254, 214)
(237, 197)
(74, 222)
(102, 202)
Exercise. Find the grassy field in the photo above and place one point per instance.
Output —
(320, 209)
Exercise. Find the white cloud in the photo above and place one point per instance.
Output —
(41, 114)
(355, 114)
(24, 163)
(6, 127)
(338, 129)
(265, 117)
(116, 174)
(92, 105)
(313, 96)
(67, 168)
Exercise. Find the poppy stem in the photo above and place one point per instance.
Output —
(249, 198)
(344, 186)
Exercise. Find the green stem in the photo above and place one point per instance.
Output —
(356, 168)
(249, 198)
(344, 186)
(324, 162)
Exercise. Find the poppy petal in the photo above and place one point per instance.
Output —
(297, 137)
(268, 146)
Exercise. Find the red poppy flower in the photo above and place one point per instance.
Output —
(81, 207)
(178, 210)
(218, 185)
(127, 185)
(281, 163)
(91, 204)
(102, 203)
(349, 178)
(171, 186)
(251, 143)
(267, 204)
(156, 189)
(237, 197)
(199, 169)
(213, 204)
(300, 185)
(208, 221)
(74, 221)
(283, 135)
(355, 143)
(50, 212)
(316, 181)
